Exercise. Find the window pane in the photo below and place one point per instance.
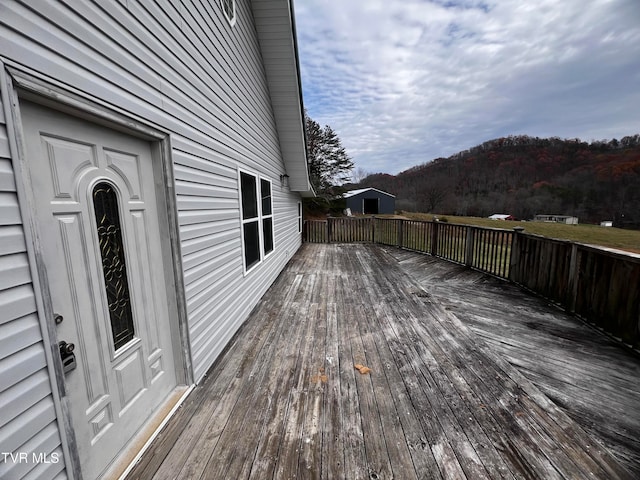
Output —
(249, 196)
(105, 201)
(251, 244)
(265, 190)
(267, 233)
(229, 9)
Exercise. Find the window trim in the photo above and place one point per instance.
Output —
(224, 4)
(258, 219)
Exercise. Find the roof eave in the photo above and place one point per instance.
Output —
(275, 26)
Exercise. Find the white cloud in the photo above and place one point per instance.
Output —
(405, 82)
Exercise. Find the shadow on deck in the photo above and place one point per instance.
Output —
(470, 378)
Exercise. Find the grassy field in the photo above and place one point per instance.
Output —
(628, 240)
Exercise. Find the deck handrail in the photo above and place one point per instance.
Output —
(600, 285)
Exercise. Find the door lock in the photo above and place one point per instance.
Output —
(67, 356)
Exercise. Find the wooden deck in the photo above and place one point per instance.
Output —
(442, 399)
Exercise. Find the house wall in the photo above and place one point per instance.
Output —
(180, 68)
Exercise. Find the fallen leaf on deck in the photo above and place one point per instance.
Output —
(321, 377)
(362, 369)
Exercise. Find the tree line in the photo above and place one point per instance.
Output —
(517, 175)
(524, 176)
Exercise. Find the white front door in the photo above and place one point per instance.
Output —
(100, 239)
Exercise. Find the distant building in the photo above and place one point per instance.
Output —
(569, 220)
(501, 216)
(607, 223)
(370, 201)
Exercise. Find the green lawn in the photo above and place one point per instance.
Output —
(582, 233)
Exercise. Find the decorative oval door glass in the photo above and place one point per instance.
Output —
(105, 201)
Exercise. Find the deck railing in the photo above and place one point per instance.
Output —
(600, 285)
(486, 249)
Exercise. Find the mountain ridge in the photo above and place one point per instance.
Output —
(524, 176)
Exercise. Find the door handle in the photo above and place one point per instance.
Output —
(67, 356)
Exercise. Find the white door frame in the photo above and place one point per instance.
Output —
(16, 85)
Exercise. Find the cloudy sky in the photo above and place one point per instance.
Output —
(404, 82)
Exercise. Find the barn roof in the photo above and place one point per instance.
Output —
(352, 193)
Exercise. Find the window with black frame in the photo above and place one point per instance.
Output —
(250, 219)
(267, 216)
(257, 218)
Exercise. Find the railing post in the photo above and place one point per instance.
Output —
(434, 237)
(401, 233)
(329, 229)
(572, 285)
(468, 254)
(514, 259)
(373, 229)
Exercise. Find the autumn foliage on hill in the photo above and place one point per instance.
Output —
(524, 176)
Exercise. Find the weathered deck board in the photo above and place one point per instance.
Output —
(446, 398)
(590, 376)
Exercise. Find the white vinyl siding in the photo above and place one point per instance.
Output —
(27, 412)
(180, 68)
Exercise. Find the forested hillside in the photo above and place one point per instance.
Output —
(524, 176)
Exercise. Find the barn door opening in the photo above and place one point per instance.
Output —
(371, 206)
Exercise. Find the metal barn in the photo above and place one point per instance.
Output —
(370, 201)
